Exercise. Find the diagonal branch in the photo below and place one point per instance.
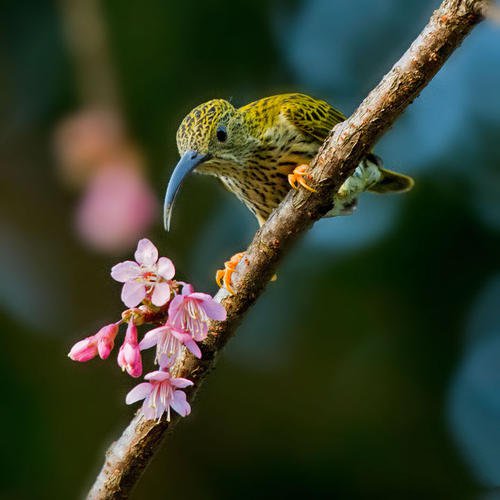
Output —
(345, 146)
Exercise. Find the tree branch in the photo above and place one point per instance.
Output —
(347, 143)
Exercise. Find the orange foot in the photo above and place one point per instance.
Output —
(297, 176)
(223, 276)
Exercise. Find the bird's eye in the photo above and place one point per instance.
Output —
(221, 134)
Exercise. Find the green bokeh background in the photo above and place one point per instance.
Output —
(343, 381)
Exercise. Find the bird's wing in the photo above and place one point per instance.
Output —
(312, 117)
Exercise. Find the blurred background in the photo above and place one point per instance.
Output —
(382, 377)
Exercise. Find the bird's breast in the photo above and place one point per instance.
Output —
(262, 181)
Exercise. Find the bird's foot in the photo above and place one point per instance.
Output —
(297, 177)
(223, 276)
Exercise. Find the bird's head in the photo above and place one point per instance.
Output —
(213, 136)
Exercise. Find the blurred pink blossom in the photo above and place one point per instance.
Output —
(149, 277)
(95, 154)
(86, 141)
(117, 206)
(161, 393)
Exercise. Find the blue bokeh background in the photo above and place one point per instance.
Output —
(370, 368)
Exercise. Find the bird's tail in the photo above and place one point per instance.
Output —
(391, 182)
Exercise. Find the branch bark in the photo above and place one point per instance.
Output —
(347, 143)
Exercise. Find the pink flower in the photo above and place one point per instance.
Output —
(169, 343)
(160, 394)
(190, 312)
(129, 356)
(117, 206)
(148, 277)
(101, 343)
(106, 340)
(84, 349)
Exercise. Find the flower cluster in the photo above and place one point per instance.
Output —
(153, 296)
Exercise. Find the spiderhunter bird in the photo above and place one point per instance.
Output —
(262, 149)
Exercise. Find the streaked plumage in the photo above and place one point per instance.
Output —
(252, 150)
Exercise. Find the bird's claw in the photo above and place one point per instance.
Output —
(297, 177)
(223, 276)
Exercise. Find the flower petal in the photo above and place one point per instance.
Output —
(133, 293)
(201, 331)
(135, 370)
(104, 348)
(106, 339)
(165, 268)
(146, 253)
(84, 350)
(165, 361)
(157, 376)
(181, 336)
(131, 334)
(192, 346)
(125, 271)
(148, 411)
(128, 354)
(160, 409)
(108, 331)
(200, 297)
(180, 404)
(174, 306)
(161, 294)
(140, 391)
(150, 339)
(214, 310)
(180, 383)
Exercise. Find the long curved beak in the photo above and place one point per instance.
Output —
(188, 162)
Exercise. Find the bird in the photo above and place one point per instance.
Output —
(261, 150)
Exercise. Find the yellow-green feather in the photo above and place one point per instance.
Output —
(312, 117)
